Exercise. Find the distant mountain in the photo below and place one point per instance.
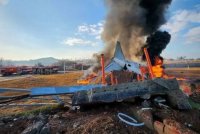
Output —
(43, 61)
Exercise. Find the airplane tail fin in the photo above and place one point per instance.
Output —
(118, 52)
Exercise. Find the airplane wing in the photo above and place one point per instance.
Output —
(112, 66)
(133, 66)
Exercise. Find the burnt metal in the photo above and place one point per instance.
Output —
(158, 86)
(42, 91)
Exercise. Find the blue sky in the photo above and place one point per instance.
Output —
(184, 25)
(31, 29)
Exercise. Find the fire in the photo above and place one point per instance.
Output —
(158, 70)
(87, 80)
(153, 70)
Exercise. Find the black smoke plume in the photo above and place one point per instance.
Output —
(130, 22)
(154, 14)
(156, 43)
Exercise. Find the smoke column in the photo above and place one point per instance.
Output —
(130, 22)
(156, 43)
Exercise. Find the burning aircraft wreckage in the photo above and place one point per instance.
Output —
(122, 80)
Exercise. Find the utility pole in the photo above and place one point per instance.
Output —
(64, 68)
(82, 67)
(187, 62)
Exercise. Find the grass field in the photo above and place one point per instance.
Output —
(43, 80)
(190, 73)
(35, 81)
(69, 79)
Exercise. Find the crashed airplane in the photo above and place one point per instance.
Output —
(117, 92)
(118, 62)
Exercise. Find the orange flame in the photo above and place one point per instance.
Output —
(158, 70)
(87, 80)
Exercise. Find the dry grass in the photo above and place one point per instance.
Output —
(13, 110)
(191, 73)
(185, 69)
(43, 80)
(35, 81)
(12, 93)
(94, 122)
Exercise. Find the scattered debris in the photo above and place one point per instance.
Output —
(132, 121)
(171, 127)
(34, 128)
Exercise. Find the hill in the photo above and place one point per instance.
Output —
(44, 61)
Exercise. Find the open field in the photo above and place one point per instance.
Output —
(7, 78)
(190, 73)
(35, 81)
(71, 78)
(181, 61)
(43, 80)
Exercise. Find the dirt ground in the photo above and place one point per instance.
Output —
(98, 120)
(92, 119)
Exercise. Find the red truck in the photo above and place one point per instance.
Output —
(5, 71)
(21, 70)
